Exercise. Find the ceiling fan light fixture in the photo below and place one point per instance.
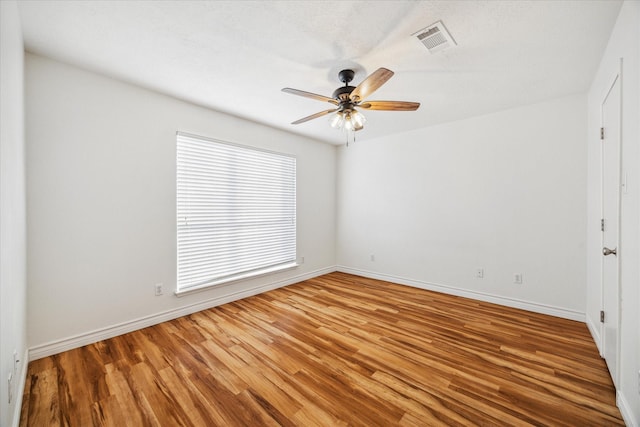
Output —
(348, 125)
(338, 120)
(358, 119)
(348, 120)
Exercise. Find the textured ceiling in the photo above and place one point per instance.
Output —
(235, 56)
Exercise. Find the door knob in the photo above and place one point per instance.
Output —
(606, 251)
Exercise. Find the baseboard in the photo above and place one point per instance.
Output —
(17, 409)
(625, 411)
(595, 334)
(509, 302)
(65, 344)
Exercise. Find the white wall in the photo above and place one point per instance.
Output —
(13, 281)
(504, 192)
(624, 43)
(101, 197)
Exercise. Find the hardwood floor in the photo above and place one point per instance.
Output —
(335, 350)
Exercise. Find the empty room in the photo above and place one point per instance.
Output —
(320, 213)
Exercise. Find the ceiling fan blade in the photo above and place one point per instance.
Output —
(371, 84)
(314, 116)
(389, 105)
(309, 95)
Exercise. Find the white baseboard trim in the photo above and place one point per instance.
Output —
(69, 343)
(17, 409)
(625, 411)
(595, 334)
(65, 344)
(481, 296)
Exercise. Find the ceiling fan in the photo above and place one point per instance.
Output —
(347, 98)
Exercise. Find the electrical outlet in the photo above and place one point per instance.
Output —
(517, 279)
(479, 273)
(158, 289)
(638, 382)
(15, 362)
(301, 260)
(373, 258)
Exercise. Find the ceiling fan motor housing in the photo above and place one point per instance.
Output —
(342, 93)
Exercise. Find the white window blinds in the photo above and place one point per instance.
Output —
(236, 211)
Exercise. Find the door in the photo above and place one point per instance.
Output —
(610, 136)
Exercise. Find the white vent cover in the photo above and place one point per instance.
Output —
(435, 37)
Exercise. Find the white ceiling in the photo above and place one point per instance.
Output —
(235, 56)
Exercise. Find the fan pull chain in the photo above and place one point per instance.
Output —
(348, 134)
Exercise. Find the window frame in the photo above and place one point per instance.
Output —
(285, 210)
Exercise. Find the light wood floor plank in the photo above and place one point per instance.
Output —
(337, 350)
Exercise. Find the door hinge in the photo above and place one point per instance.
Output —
(601, 316)
(602, 225)
(602, 133)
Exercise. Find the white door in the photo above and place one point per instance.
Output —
(610, 135)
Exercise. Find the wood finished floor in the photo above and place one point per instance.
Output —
(335, 350)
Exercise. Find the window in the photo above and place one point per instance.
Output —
(236, 212)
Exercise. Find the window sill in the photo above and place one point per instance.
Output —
(236, 278)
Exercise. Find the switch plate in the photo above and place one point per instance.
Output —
(15, 362)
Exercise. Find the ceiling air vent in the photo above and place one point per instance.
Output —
(435, 37)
